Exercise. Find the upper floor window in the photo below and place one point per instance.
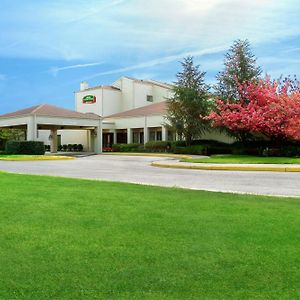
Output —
(149, 98)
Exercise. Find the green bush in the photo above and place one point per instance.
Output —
(2, 144)
(291, 151)
(65, 147)
(47, 148)
(25, 147)
(80, 147)
(127, 147)
(158, 146)
(194, 149)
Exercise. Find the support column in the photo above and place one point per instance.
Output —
(98, 138)
(164, 133)
(146, 135)
(146, 132)
(115, 140)
(53, 145)
(92, 141)
(129, 135)
(31, 132)
(88, 141)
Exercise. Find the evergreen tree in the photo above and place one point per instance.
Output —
(240, 67)
(189, 102)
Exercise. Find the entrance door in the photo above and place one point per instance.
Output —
(108, 139)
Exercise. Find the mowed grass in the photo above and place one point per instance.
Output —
(79, 239)
(244, 159)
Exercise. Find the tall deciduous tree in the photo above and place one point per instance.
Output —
(267, 108)
(239, 68)
(189, 102)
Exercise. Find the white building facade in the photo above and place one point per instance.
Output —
(133, 111)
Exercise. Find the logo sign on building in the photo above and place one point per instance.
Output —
(89, 99)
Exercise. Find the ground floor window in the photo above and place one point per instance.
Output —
(155, 134)
(122, 137)
(138, 137)
(158, 135)
(171, 135)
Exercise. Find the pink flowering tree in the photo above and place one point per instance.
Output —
(267, 108)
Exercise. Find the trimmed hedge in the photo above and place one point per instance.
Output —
(210, 147)
(194, 149)
(128, 148)
(158, 146)
(70, 147)
(25, 147)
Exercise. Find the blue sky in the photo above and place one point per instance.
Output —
(48, 47)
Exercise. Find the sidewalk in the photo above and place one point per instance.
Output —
(176, 164)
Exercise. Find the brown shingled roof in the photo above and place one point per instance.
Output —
(159, 108)
(50, 111)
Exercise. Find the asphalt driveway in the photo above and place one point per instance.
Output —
(138, 170)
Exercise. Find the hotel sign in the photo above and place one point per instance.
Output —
(89, 99)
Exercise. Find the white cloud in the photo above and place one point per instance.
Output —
(160, 61)
(56, 70)
(136, 30)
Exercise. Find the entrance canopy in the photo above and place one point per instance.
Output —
(49, 117)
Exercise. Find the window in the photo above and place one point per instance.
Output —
(171, 135)
(149, 98)
(158, 135)
(152, 136)
(136, 137)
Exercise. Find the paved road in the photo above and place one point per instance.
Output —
(138, 170)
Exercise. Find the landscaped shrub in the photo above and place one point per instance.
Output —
(70, 147)
(25, 147)
(290, 151)
(65, 147)
(59, 148)
(128, 148)
(80, 147)
(47, 148)
(158, 146)
(2, 144)
(194, 149)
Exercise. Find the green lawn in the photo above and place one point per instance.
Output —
(244, 159)
(77, 239)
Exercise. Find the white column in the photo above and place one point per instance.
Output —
(53, 145)
(164, 133)
(88, 141)
(146, 135)
(98, 138)
(129, 135)
(92, 141)
(115, 137)
(31, 132)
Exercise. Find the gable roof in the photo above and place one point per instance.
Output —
(50, 111)
(159, 108)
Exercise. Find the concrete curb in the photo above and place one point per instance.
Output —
(227, 168)
(45, 158)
